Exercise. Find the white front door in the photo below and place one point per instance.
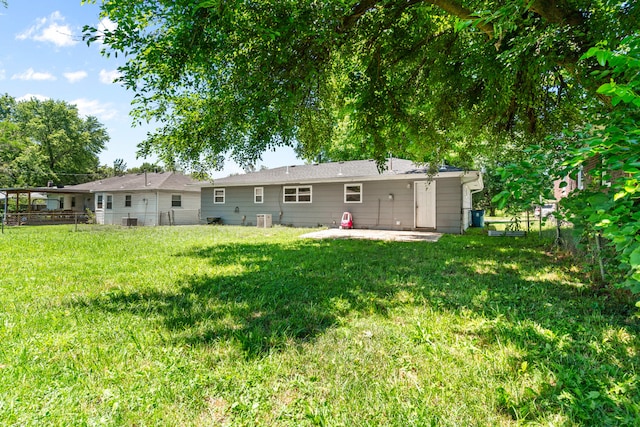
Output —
(425, 197)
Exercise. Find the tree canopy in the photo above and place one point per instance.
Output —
(422, 79)
(43, 141)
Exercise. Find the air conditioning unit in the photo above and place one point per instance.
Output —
(127, 221)
(264, 221)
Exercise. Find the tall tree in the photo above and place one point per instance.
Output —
(47, 140)
(146, 167)
(382, 76)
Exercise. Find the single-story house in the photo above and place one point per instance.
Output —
(402, 197)
(165, 198)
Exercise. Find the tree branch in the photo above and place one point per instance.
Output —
(557, 12)
(452, 7)
(356, 13)
(455, 8)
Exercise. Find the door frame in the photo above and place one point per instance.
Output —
(430, 217)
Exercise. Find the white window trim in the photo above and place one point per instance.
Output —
(178, 195)
(297, 188)
(100, 201)
(106, 202)
(352, 185)
(130, 196)
(255, 194)
(580, 179)
(224, 196)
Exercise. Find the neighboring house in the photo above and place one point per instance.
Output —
(560, 190)
(403, 197)
(143, 199)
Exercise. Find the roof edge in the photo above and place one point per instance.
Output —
(399, 177)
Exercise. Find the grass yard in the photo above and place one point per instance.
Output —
(202, 326)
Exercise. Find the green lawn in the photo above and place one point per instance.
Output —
(243, 326)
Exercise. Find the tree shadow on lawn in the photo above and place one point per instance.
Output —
(268, 296)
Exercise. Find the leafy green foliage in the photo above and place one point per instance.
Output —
(44, 141)
(615, 141)
(607, 152)
(147, 167)
(422, 80)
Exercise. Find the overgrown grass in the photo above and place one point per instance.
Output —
(245, 326)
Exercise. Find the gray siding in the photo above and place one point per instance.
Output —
(449, 205)
(378, 209)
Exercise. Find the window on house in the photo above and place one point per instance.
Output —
(61, 202)
(176, 200)
(580, 180)
(297, 194)
(127, 200)
(73, 202)
(258, 195)
(99, 202)
(109, 201)
(353, 193)
(218, 195)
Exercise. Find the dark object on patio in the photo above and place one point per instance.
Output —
(214, 220)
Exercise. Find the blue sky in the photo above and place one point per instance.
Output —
(42, 55)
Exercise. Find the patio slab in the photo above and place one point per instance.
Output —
(391, 235)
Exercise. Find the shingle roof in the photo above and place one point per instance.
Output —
(170, 181)
(331, 171)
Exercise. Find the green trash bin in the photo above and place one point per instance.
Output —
(477, 218)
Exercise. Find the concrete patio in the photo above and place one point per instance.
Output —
(391, 235)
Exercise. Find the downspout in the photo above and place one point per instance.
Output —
(158, 207)
(471, 193)
(462, 208)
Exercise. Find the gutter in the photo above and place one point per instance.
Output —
(366, 178)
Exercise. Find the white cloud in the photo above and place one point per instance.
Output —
(29, 96)
(105, 25)
(51, 30)
(107, 77)
(93, 107)
(75, 76)
(3, 74)
(30, 74)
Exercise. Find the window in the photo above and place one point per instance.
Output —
(353, 193)
(73, 202)
(127, 200)
(218, 195)
(109, 201)
(61, 202)
(580, 180)
(297, 194)
(176, 200)
(258, 195)
(99, 202)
